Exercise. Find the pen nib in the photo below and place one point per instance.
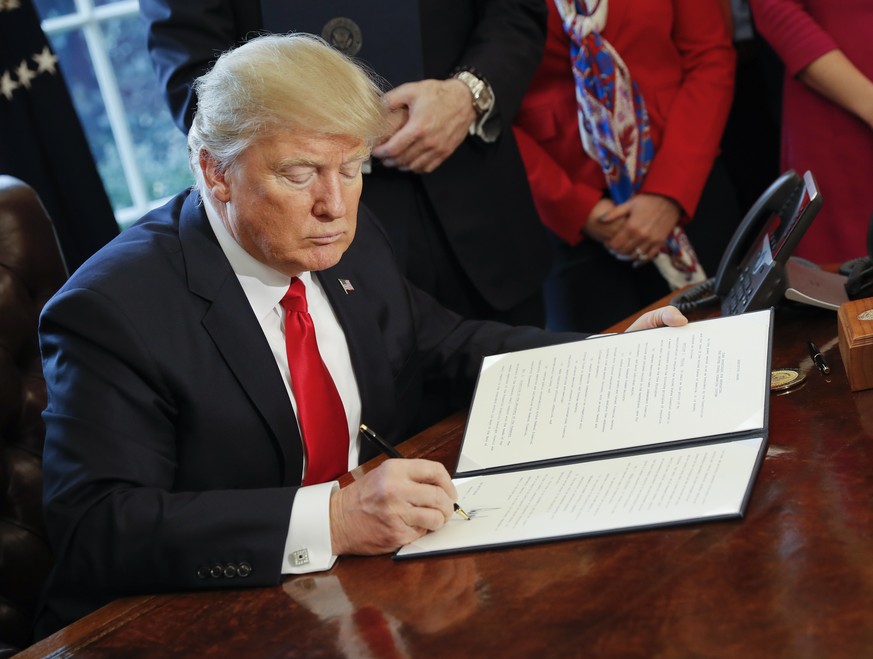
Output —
(461, 512)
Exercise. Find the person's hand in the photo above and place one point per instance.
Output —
(439, 116)
(647, 221)
(391, 506)
(668, 316)
(596, 227)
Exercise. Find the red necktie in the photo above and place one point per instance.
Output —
(319, 408)
(374, 630)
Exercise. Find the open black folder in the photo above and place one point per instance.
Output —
(624, 431)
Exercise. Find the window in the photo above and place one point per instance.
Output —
(140, 153)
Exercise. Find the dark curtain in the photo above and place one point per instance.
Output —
(41, 140)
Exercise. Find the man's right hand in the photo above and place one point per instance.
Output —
(439, 114)
(391, 506)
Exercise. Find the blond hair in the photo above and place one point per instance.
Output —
(282, 82)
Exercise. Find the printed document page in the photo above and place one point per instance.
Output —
(620, 391)
(651, 489)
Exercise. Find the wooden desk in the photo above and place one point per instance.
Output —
(792, 579)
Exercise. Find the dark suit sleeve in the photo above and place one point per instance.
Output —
(448, 347)
(415, 360)
(118, 521)
(186, 36)
(506, 47)
(454, 347)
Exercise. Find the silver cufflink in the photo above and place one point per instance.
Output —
(299, 557)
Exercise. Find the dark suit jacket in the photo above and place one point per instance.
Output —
(480, 194)
(171, 443)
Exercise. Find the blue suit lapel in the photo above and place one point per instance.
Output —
(230, 323)
(355, 311)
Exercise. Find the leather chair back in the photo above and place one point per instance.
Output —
(31, 270)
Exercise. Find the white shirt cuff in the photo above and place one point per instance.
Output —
(307, 547)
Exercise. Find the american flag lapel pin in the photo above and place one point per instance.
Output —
(347, 286)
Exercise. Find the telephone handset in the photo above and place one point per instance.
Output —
(751, 274)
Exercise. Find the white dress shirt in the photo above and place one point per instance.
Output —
(307, 545)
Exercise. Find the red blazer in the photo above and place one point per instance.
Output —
(682, 58)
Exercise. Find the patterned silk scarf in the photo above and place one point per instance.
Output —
(614, 125)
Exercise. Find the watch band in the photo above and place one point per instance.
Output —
(483, 98)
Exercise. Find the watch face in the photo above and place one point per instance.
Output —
(483, 98)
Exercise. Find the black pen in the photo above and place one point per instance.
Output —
(818, 358)
(392, 452)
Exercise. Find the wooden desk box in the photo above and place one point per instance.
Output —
(855, 328)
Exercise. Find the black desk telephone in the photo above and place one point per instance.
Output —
(751, 274)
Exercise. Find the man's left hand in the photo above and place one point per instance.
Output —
(440, 115)
(668, 316)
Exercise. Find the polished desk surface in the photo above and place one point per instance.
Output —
(794, 578)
